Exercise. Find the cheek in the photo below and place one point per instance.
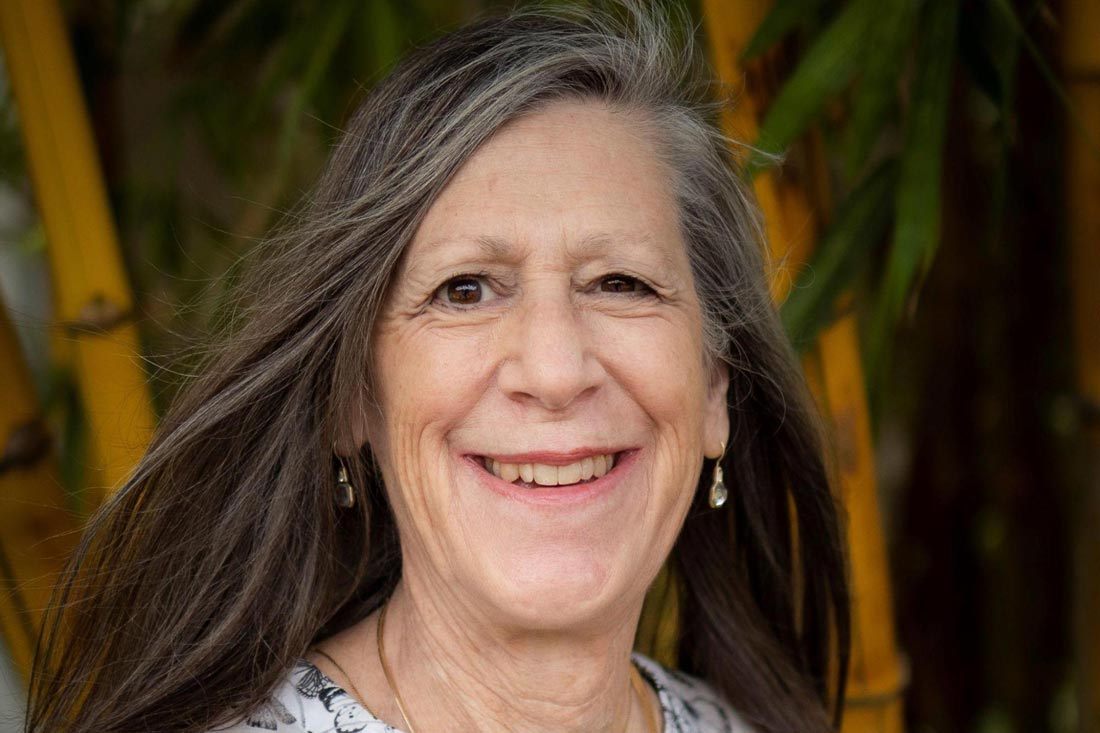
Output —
(430, 377)
(429, 381)
(659, 365)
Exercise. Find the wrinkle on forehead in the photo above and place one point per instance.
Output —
(595, 245)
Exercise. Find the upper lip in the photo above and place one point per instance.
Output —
(551, 458)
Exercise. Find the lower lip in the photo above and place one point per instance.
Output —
(570, 495)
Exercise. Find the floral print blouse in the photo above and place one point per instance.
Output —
(310, 702)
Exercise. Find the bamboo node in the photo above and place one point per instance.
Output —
(882, 694)
(99, 315)
(27, 444)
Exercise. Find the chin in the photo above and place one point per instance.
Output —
(557, 590)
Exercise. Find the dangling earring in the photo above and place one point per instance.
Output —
(718, 491)
(345, 492)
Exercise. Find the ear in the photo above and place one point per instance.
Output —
(355, 430)
(716, 419)
(349, 441)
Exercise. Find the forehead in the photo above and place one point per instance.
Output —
(576, 172)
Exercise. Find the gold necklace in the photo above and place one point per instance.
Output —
(652, 724)
(386, 667)
(358, 698)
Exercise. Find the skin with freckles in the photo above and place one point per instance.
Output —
(545, 310)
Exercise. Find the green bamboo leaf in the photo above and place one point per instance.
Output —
(1009, 15)
(283, 63)
(978, 62)
(917, 225)
(333, 30)
(384, 31)
(878, 90)
(860, 223)
(1001, 48)
(784, 17)
(210, 24)
(826, 68)
(214, 35)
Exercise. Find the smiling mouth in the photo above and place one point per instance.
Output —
(541, 476)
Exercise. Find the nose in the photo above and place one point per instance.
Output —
(550, 361)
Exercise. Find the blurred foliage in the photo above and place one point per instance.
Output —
(878, 79)
(880, 82)
(11, 148)
(212, 118)
(220, 113)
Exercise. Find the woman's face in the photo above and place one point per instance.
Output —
(545, 324)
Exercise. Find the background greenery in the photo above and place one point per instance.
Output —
(930, 135)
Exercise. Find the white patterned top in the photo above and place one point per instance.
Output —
(309, 702)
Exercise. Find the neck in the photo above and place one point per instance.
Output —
(456, 670)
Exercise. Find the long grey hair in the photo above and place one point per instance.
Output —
(225, 557)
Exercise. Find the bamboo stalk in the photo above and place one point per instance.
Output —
(93, 299)
(876, 676)
(788, 218)
(1081, 63)
(37, 532)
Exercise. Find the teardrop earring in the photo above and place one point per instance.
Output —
(345, 492)
(718, 491)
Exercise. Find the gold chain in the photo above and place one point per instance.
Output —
(636, 682)
(386, 667)
(651, 722)
(359, 698)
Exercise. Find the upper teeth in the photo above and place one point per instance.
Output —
(543, 475)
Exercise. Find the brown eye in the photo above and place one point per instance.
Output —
(621, 284)
(464, 291)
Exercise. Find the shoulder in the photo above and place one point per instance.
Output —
(690, 705)
(308, 702)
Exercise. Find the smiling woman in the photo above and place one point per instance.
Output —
(498, 391)
(486, 389)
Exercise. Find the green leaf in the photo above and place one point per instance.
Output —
(1001, 46)
(214, 32)
(878, 90)
(333, 30)
(784, 17)
(978, 62)
(283, 63)
(384, 31)
(860, 223)
(1047, 72)
(826, 68)
(917, 225)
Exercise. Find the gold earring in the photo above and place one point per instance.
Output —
(345, 492)
(718, 491)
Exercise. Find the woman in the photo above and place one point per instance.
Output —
(485, 389)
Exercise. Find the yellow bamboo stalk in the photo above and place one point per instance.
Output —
(93, 300)
(37, 532)
(1081, 62)
(876, 676)
(788, 218)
